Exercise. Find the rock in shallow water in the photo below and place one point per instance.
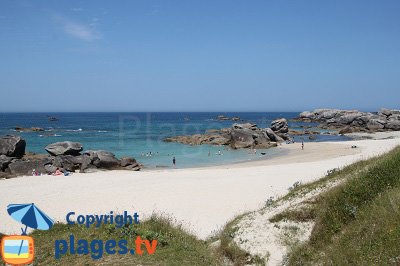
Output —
(239, 136)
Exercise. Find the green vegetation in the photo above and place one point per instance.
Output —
(303, 214)
(357, 222)
(228, 248)
(175, 246)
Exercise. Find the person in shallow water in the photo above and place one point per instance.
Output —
(174, 161)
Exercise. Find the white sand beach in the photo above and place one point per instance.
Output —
(203, 199)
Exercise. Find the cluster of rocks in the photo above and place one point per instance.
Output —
(224, 118)
(66, 156)
(240, 136)
(348, 121)
(28, 129)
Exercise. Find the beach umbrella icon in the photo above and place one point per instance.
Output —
(30, 216)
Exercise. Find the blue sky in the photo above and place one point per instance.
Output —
(199, 55)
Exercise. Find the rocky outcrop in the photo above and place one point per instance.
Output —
(12, 146)
(239, 136)
(217, 138)
(272, 135)
(25, 167)
(105, 160)
(29, 129)
(64, 148)
(68, 162)
(281, 128)
(5, 161)
(224, 118)
(28, 163)
(64, 156)
(392, 118)
(130, 163)
(352, 120)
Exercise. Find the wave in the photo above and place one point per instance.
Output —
(50, 135)
(74, 130)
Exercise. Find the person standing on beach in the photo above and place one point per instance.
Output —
(302, 145)
(174, 161)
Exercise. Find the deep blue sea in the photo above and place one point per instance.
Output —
(138, 134)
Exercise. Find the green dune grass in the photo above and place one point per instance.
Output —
(358, 222)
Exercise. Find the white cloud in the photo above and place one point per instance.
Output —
(77, 9)
(78, 30)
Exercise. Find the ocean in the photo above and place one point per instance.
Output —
(139, 134)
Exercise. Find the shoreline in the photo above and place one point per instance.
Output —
(202, 199)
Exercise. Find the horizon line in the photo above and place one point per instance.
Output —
(183, 111)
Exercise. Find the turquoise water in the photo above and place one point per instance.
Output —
(138, 134)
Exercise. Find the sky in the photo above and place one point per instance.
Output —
(217, 55)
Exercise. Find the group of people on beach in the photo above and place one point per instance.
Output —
(57, 172)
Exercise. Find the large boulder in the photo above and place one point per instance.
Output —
(325, 114)
(68, 162)
(5, 161)
(376, 124)
(86, 163)
(272, 135)
(12, 146)
(280, 126)
(307, 115)
(242, 138)
(388, 112)
(349, 118)
(125, 161)
(244, 126)
(261, 140)
(25, 167)
(4, 175)
(393, 125)
(394, 118)
(64, 148)
(363, 120)
(217, 139)
(129, 163)
(103, 159)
